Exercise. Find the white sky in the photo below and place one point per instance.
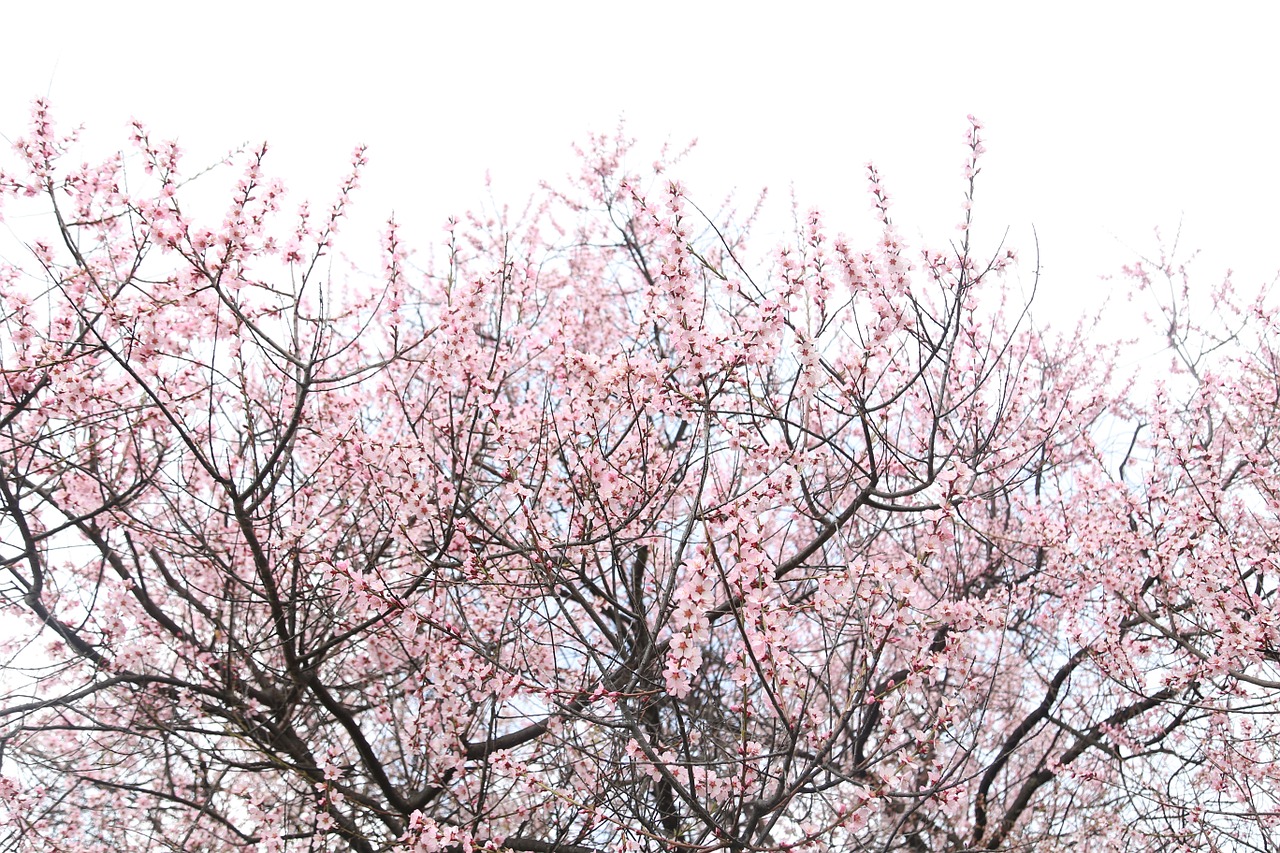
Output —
(1104, 120)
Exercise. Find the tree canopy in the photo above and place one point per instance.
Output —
(600, 530)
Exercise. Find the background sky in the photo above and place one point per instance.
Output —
(1103, 120)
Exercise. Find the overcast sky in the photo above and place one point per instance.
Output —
(1103, 120)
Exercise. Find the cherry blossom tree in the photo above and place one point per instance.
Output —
(598, 530)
